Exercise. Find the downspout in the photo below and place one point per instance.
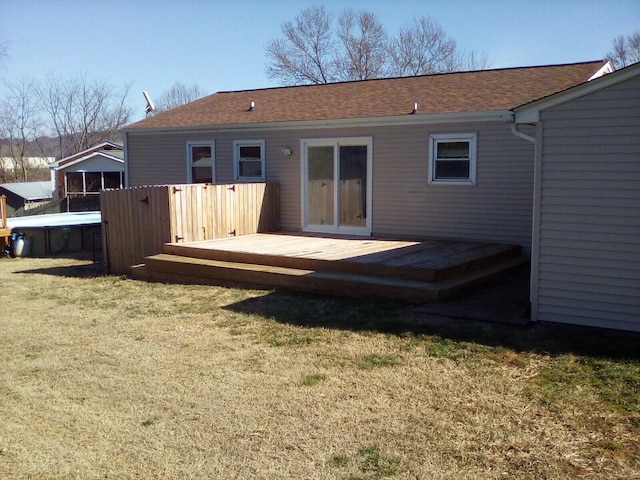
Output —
(524, 136)
(533, 280)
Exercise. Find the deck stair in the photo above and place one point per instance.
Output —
(408, 271)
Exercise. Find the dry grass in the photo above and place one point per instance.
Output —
(105, 377)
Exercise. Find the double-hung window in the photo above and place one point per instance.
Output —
(248, 160)
(452, 158)
(200, 162)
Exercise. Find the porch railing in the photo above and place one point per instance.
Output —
(137, 221)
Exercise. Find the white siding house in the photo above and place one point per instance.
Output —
(550, 160)
(441, 158)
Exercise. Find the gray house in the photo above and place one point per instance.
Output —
(454, 156)
(586, 215)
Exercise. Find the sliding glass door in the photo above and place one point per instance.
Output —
(336, 185)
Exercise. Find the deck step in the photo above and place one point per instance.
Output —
(404, 263)
(183, 269)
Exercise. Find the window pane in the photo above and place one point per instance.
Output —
(111, 179)
(321, 163)
(201, 171)
(94, 181)
(201, 175)
(452, 150)
(320, 192)
(452, 169)
(353, 185)
(74, 182)
(250, 152)
(201, 155)
(250, 168)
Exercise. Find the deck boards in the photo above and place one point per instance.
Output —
(430, 254)
(407, 270)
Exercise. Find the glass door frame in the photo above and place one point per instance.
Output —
(336, 143)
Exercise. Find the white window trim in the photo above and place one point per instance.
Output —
(336, 143)
(472, 138)
(201, 143)
(236, 159)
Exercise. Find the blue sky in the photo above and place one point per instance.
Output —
(219, 45)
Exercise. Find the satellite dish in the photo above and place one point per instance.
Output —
(150, 106)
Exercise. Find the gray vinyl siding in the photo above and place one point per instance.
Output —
(497, 209)
(589, 246)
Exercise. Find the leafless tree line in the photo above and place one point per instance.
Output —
(178, 94)
(76, 112)
(625, 50)
(310, 51)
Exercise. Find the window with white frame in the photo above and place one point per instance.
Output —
(452, 158)
(201, 162)
(248, 160)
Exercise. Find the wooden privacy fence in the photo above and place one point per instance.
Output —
(137, 221)
(3, 211)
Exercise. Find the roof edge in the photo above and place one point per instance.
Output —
(86, 152)
(408, 119)
(435, 74)
(530, 112)
(104, 153)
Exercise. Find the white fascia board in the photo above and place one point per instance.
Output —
(603, 70)
(530, 112)
(102, 153)
(409, 119)
(88, 151)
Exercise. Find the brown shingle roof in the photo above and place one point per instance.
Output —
(477, 91)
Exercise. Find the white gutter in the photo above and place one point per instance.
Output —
(524, 136)
(408, 119)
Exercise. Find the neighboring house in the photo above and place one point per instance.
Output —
(454, 155)
(25, 195)
(83, 175)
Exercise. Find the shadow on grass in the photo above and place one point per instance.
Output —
(89, 270)
(401, 319)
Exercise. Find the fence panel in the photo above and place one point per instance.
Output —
(136, 222)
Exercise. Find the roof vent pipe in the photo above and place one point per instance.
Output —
(415, 109)
(252, 105)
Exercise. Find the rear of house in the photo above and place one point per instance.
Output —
(385, 187)
(429, 156)
(538, 157)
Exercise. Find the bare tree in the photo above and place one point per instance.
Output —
(625, 50)
(178, 94)
(306, 53)
(423, 47)
(3, 51)
(364, 45)
(20, 126)
(475, 61)
(310, 52)
(83, 113)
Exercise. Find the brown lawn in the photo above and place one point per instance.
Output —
(108, 378)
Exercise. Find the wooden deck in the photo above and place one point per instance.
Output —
(414, 271)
